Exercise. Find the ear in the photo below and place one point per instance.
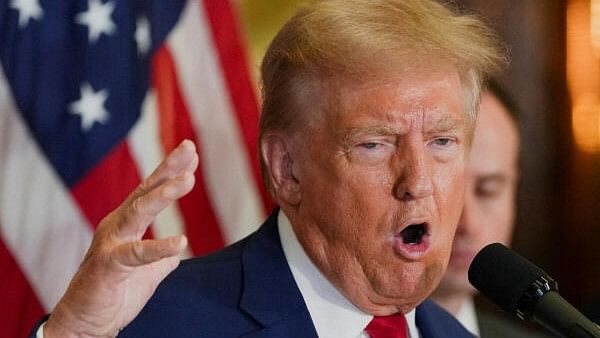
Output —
(281, 168)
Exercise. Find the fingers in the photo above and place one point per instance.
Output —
(171, 180)
(139, 213)
(138, 253)
(182, 159)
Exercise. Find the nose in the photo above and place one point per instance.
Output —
(414, 181)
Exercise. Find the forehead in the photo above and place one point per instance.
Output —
(434, 97)
(496, 141)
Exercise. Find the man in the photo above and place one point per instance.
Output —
(368, 112)
(488, 213)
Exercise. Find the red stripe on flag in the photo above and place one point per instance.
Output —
(107, 185)
(202, 227)
(20, 308)
(232, 57)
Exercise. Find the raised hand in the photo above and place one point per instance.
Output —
(121, 271)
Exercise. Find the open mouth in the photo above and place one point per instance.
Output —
(414, 241)
(413, 234)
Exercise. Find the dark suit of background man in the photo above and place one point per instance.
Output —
(367, 117)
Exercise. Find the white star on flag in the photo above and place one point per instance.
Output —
(142, 35)
(90, 107)
(28, 10)
(97, 18)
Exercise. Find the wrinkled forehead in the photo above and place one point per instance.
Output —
(433, 96)
(411, 87)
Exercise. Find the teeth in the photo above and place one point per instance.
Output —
(413, 234)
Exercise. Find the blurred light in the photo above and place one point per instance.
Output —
(595, 25)
(583, 71)
(586, 122)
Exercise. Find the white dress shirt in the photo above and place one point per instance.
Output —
(468, 318)
(333, 315)
(40, 331)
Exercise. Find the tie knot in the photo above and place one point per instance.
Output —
(393, 326)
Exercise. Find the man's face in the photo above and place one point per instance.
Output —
(381, 180)
(492, 176)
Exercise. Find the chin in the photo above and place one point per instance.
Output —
(411, 286)
(387, 306)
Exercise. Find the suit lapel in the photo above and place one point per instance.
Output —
(270, 294)
(426, 323)
(433, 322)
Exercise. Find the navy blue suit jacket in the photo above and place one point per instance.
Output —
(247, 290)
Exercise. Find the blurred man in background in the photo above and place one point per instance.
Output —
(492, 175)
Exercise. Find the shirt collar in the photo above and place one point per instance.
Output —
(468, 317)
(326, 305)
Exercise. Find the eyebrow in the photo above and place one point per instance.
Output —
(446, 123)
(492, 177)
(350, 135)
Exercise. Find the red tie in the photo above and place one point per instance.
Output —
(393, 326)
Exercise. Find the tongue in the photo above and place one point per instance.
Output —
(413, 234)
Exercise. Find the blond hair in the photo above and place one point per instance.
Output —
(362, 39)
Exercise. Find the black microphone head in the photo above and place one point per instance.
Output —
(504, 277)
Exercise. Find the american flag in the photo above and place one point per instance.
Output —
(93, 93)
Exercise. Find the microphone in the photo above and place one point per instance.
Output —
(518, 286)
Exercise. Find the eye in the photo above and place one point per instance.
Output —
(371, 152)
(445, 148)
(370, 145)
(442, 141)
(489, 188)
(485, 192)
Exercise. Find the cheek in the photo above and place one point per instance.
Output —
(450, 192)
(355, 189)
(449, 199)
(499, 219)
